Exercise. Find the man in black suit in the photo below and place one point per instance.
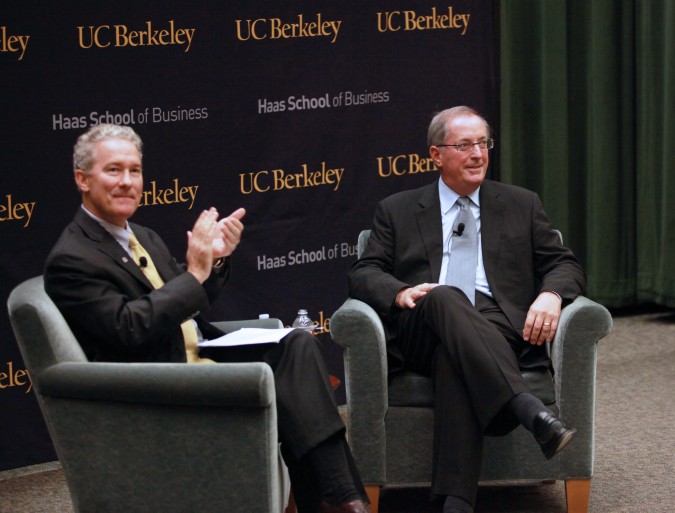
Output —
(473, 347)
(127, 302)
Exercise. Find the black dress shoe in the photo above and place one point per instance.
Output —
(551, 433)
(350, 507)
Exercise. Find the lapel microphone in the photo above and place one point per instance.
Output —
(143, 262)
(459, 231)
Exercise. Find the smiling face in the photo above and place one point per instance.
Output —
(463, 172)
(112, 188)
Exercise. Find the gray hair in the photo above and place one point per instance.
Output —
(83, 152)
(437, 128)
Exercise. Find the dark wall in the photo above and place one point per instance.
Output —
(305, 113)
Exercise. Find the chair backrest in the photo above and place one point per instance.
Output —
(362, 243)
(42, 333)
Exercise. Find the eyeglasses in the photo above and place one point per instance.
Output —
(465, 147)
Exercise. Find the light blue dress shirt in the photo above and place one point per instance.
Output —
(449, 211)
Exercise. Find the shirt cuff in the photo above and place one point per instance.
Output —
(554, 292)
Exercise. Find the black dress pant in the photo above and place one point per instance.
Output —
(306, 409)
(470, 353)
(307, 413)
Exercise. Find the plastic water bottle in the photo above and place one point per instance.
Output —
(303, 320)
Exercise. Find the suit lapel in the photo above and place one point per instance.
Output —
(107, 244)
(492, 210)
(431, 228)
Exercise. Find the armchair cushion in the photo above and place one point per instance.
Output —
(411, 389)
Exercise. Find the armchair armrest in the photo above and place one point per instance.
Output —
(226, 384)
(574, 355)
(358, 329)
(581, 325)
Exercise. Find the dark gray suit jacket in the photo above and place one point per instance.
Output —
(522, 254)
(113, 310)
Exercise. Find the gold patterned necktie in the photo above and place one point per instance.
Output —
(142, 258)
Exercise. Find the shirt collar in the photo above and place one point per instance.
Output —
(448, 197)
(121, 235)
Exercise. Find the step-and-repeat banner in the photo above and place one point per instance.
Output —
(305, 113)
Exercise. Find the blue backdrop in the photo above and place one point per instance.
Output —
(305, 113)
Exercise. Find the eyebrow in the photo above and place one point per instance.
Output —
(467, 140)
(120, 163)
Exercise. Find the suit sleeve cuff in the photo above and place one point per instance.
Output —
(554, 292)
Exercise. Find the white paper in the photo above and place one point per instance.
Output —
(247, 336)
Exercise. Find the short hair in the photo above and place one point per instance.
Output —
(83, 152)
(437, 128)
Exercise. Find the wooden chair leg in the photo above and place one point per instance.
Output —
(578, 493)
(291, 508)
(373, 492)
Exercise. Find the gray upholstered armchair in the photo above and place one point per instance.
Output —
(151, 437)
(390, 425)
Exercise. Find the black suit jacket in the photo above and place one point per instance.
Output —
(113, 310)
(522, 254)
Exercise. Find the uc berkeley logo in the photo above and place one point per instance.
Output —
(120, 36)
(11, 378)
(400, 165)
(279, 179)
(12, 210)
(393, 21)
(275, 28)
(13, 43)
(175, 193)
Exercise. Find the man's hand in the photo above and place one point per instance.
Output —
(228, 234)
(541, 322)
(200, 245)
(407, 297)
(211, 239)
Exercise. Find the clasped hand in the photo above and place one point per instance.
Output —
(407, 297)
(211, 239)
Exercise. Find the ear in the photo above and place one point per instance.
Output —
(435, 155)
(82, 180)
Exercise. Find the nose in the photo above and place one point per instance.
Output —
(475, 148)
(125, 177)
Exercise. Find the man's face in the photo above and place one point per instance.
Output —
(112, 190)
(463, 172)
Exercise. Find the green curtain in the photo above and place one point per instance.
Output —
(588, 121)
